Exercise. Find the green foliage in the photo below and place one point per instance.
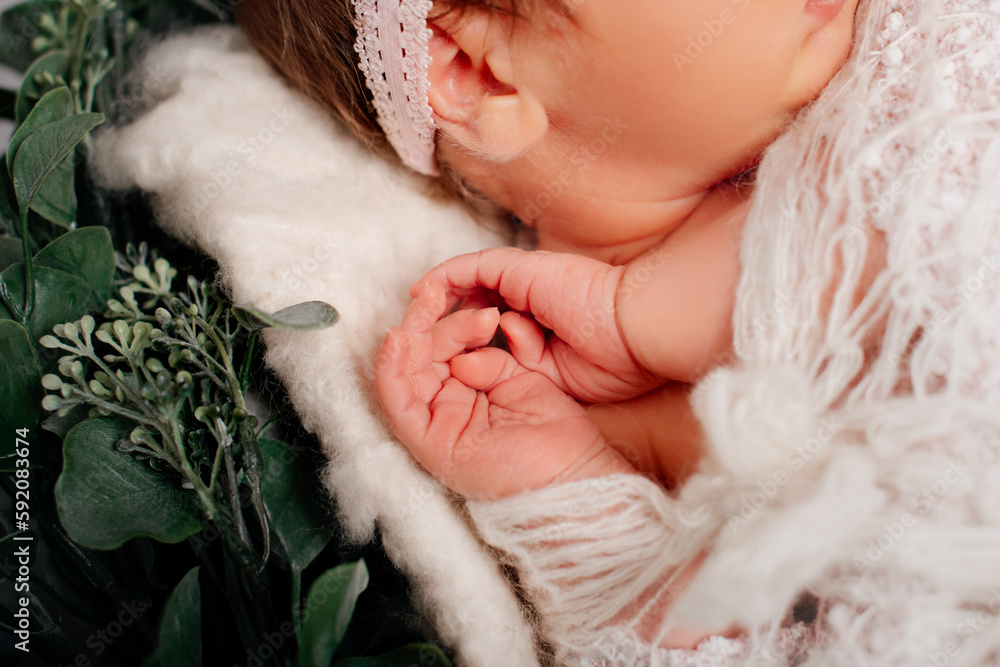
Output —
(59, 295)
(48, 72)
(180, 627)
(300, 317)
(20, 388)
(158, 506)
(106, 496)
(329, 607)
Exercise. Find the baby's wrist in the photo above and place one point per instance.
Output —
(630, 280)
(606, 461)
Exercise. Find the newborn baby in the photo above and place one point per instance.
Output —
(616, 130)
(645, 232)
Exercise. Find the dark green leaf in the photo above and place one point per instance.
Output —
(56, 64)
(56, 200)
(411, 655)
(62, 425)
(10, 252)
(180, 627)
(59, 297)
(87, 253)
(328, 610)
(20, 383)
(106, 497)
(300, 317)
(43, 151)
(289, 489)
(56, 105)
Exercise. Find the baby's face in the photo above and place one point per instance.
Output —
(701, 82)
(651, 102)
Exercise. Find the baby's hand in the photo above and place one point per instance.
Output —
(479, 421)
(571, 296)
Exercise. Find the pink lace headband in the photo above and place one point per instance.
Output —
(392, 46)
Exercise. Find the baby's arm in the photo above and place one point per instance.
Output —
(658, 432)
(569, 331)
(616, 331)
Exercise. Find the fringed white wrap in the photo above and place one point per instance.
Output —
(853, 442)
(854, 439)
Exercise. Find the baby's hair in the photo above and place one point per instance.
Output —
(311, 42)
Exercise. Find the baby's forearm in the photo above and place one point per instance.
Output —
(674, 304)
(657, 432)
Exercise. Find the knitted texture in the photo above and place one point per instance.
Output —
(854, 434)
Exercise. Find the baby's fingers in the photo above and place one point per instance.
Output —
(408, 415)
(463, 330)
(485, 369)
(525, 339)
(427, 308)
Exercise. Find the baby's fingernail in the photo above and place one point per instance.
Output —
(418, 288)
(488, 316)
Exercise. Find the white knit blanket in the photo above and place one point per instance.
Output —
(853, 436)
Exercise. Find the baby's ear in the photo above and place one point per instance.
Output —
(474, 92)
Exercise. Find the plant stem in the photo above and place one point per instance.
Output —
(245, 366)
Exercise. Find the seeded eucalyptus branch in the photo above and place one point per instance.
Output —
(167, 364)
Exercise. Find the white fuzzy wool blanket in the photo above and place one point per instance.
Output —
(854, 436)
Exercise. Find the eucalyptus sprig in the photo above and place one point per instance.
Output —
(167, 365)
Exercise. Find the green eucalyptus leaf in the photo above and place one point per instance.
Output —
(179, 638)
(425, 655)
(20, 384)
(289, 488)
(329, 607)
(55, 105)
(306, 316)
(59, 297)
(56, 200)
(61, 425)
(87, 253)
(106, 497)
(53, 63)
(44, 150)
(10, 252)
